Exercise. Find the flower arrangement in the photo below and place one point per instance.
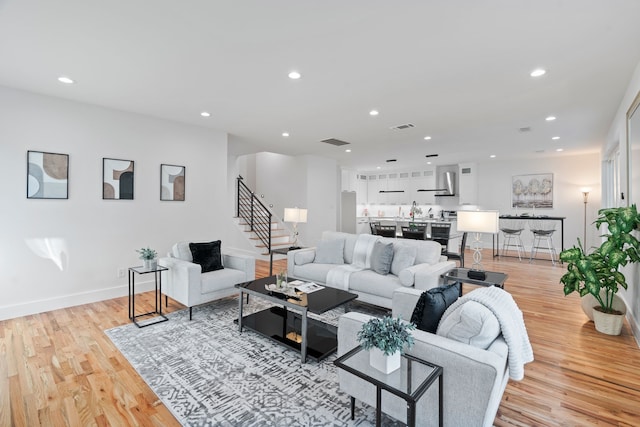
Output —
(147, 253)
(415, 211)
(386, 334)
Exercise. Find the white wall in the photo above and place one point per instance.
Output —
(618, 133)
(570, 174)
(100, 236)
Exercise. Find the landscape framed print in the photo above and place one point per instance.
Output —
(172, 183)
(117, 179)
(532, 191)
(47, 175)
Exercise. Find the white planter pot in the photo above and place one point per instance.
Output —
(610, 324)
(589, 301)
(150, 264)
(383, 363)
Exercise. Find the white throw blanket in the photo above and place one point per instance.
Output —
(514, 331)
(338, 277)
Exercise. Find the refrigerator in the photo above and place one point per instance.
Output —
(348, 212)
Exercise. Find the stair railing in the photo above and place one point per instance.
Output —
(250, 208)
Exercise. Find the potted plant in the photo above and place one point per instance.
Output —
(385, 339)
(597, 273)
(148, 257)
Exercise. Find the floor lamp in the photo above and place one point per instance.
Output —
(295, 216)
(585, 197)
(478, 222)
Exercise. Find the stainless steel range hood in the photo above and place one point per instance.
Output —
(446, 185)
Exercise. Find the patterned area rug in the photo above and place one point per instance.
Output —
(208, 374)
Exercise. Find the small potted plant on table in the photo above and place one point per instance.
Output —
(148, 257)
(385, 339)
(597, 273)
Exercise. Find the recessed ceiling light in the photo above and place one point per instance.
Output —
(294, 75)
(373, 113)
(347, 150)
(538, 72)
(428, 163)
(555, 138)
(205, 114)
(285, 134)
(550, 118)
(427, 138)
(559, 149)
(65, 80)
(493, 156)
(378, 167)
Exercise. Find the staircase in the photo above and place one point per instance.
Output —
(262, 227)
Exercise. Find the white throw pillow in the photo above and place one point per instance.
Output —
(303, 257)
(403, 257)
(182, 251)
(470, 323)
(330, 252)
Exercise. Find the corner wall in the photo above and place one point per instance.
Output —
(97, 237)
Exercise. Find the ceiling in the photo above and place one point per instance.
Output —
(458, 71)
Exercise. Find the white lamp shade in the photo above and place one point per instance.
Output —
(296, 215)
(479, 221)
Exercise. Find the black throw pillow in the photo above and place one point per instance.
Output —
(208, 255)
(432, 305)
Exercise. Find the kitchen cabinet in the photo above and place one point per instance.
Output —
(372, 189)
(423, 179)
(468, 184)
(361, 189)
(349, 180)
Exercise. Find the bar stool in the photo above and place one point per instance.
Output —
(542, 232)
(512, 229)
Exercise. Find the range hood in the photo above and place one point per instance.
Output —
(446, 186)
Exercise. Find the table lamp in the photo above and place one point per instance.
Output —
(478, 222)
(295, 216)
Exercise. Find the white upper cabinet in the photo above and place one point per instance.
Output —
(349, 180)
(361, 189)
(468, 184)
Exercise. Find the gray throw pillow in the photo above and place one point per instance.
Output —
(330, 252)
(381, 257)
(471, 323)
(403, 257)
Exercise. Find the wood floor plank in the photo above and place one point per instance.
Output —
(59, 368)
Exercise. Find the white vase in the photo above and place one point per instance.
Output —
(610, 324)
(150, 264)
(382, 362)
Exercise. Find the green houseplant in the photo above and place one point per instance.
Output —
(597, 273)
(148, 256)
(385, 339)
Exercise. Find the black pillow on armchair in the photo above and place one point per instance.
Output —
(208, 255)
(432, 305)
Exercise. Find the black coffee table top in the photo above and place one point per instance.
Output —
(316, 302)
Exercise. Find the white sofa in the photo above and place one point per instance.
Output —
(189, 286)
(351, 270)
(474, 378)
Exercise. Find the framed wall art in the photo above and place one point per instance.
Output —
(532, 191)
(172, 184)
(117, 179)
(47, 175)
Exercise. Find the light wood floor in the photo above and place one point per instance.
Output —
(58, 368)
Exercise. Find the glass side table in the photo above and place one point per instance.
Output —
(158, 296)
(407, 382)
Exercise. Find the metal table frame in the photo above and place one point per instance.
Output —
(158, 295)
(409, 397)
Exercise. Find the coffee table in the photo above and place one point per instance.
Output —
(493, 278)
(287, 322)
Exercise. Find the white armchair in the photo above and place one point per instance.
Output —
(189, 286)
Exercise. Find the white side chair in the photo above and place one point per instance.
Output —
(512, 230)
(543, 234)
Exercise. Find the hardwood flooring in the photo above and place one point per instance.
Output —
(59, 369)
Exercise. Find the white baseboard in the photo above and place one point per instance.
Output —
(635, 326)
(70, 300)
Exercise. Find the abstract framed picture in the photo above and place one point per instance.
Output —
(117, 179)
(172, 184)
(47, 175)
(532, 191)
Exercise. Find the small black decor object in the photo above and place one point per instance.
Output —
(477, 274)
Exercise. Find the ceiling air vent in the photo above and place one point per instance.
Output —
(524, 129)
(403, 127)
(336, 142)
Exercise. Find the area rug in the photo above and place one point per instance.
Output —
(208, 374)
